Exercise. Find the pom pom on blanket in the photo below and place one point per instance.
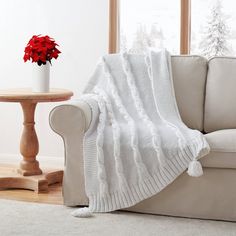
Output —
(82, 213)
(195, 168)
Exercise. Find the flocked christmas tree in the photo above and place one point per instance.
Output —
(216, 32)
(123, 42)
(141, 41)
(144, 39)
(156, 37)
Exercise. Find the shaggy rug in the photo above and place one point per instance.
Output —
(21, 218)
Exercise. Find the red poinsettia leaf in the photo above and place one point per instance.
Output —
(35, 58)
(26, 57)
(57, 51)
(41, 49)
(54, 55)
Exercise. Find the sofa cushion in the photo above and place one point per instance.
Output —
(223, 149)
(220, 105)
(189, 77)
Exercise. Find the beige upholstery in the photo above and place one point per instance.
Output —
(211, 196)
(220, 105)
(223, 149)
(70, 121)
(190, 88)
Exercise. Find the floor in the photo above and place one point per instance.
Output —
(57, 220)
(27, 219)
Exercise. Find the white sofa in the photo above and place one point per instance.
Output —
(206, 98)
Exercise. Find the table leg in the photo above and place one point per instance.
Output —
(29, 145)
(29, 175)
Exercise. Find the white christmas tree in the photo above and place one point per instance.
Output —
(141, 40)
(156, 37)
(144, 39)
(123, 42)
(216, 33)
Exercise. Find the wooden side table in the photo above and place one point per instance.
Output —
(29, 175)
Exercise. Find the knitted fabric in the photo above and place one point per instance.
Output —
(137, 143)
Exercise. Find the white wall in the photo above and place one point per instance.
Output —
(81, 29)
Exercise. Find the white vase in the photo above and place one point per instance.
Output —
(41, 78)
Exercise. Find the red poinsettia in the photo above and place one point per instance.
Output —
(41, 49)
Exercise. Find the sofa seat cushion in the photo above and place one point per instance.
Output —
(223, 149)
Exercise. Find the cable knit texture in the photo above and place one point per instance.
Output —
(137, 143)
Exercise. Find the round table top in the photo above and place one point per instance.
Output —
(26, 94)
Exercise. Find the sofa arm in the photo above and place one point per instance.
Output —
(70, 121)
(69, 117)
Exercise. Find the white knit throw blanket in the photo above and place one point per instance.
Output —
(137, 143)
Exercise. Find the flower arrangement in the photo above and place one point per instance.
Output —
(41, 49)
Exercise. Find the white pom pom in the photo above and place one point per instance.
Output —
(195, 168)
(82, 213)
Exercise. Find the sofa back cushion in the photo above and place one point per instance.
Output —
(189, 77)
(220, 104)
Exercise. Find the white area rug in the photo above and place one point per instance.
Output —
(21, 218)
